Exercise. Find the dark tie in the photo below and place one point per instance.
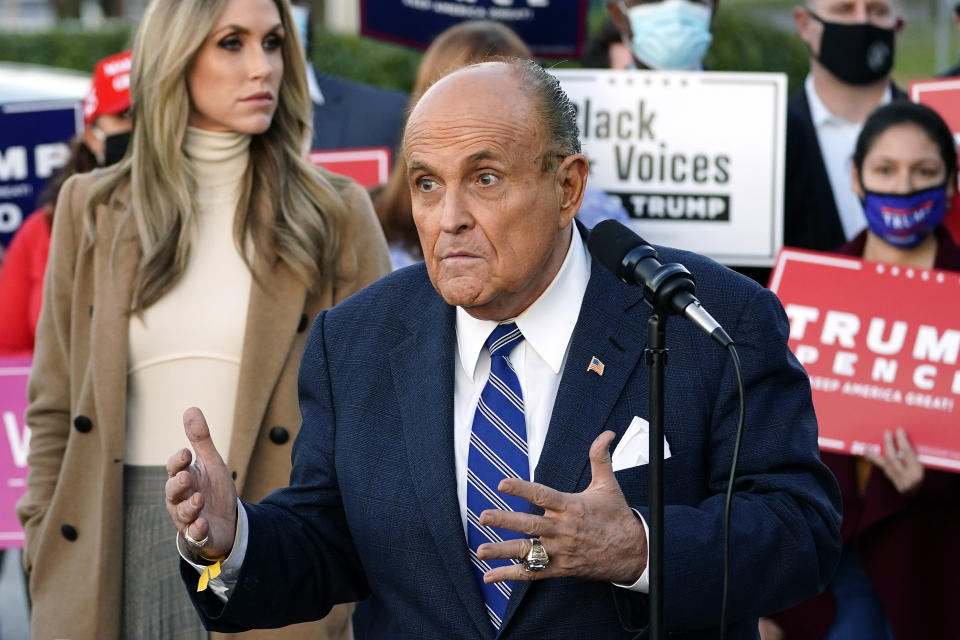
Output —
(498, 450)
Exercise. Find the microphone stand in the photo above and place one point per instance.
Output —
(656, 357)
(668, 289)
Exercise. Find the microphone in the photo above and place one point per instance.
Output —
(666, 287)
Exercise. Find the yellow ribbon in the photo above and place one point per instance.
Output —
(208, 574)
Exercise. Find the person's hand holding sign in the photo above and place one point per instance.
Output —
(899, 462)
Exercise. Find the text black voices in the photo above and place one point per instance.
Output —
(633, 161)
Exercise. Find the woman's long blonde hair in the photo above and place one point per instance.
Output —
(288, 209)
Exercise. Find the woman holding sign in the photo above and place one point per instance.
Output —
(898, 576)
(186, 275)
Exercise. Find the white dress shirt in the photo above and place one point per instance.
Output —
(547, 327)
(838, 137)
(316, 96)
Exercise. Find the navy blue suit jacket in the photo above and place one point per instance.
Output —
(355, 115)
(372, 509)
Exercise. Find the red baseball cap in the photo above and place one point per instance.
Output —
(110, 91)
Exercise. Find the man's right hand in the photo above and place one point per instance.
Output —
(201, 497)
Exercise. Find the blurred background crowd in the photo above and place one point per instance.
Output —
(750, 35)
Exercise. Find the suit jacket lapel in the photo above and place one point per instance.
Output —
(829, 215)
(277, 299)
(612, 327)
(422, 366)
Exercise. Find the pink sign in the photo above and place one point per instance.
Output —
(14, 444)
(881, 344)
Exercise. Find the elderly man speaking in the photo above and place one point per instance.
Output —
(458, 416)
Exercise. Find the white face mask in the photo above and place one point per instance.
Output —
(669, 35)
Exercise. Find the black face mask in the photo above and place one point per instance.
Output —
(858, 53)
(114, 147)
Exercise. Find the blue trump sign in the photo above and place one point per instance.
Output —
(551, 28)
(34, 142)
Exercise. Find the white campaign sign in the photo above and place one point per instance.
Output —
(696, 157)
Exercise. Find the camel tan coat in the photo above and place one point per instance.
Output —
(72, 510)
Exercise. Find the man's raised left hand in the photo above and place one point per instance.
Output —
(592, 535)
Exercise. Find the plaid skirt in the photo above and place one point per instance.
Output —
(155, 601)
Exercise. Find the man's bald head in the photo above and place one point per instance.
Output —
(495, 181)
(549, 105)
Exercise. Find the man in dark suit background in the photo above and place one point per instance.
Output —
(348, 114)
(851, 46)
(394, 396)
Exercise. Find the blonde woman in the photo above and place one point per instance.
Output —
(188, 274)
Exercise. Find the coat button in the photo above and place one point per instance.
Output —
(68, 532)
(303, 323)
(279, 435)
(83, 424)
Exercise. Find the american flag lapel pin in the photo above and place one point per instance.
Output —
(596, 366)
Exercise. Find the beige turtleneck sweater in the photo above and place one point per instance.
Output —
(185, 350)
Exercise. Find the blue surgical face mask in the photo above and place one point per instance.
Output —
(301, 18)
(669, 35)
(905, 219)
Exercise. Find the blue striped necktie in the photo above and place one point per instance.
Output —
(498, 450)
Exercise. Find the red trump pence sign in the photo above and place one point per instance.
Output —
(369, 167)
(943, 96)
(880, 344)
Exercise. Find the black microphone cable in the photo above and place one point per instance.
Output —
(735, 358)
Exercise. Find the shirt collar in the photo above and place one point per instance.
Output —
(819, 112)
(313, 86)
(547, 324)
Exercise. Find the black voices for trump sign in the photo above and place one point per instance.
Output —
(695, 157)
(881, 344)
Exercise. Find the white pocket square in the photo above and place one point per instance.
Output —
(633, 449)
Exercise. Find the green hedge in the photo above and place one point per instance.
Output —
(67, 48)
(744, 44)
(371, 61)
(739, 44)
